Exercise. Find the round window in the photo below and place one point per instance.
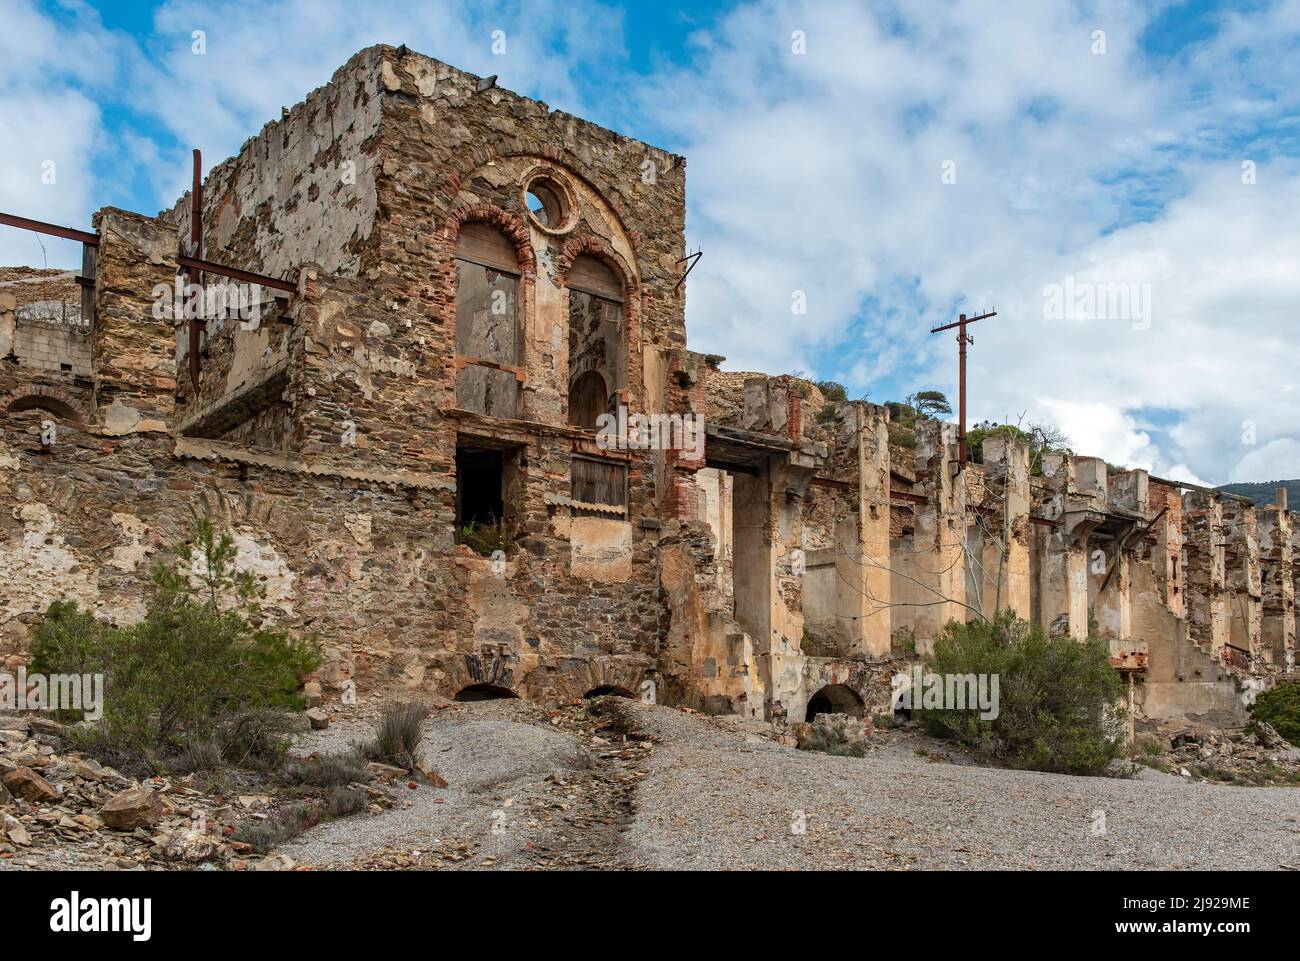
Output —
(549, 203)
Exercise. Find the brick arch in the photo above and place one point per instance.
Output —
(513, 147)
(601, 248)
(53, 399)
(509, 224)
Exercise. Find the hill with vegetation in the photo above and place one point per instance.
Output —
(1262, 493)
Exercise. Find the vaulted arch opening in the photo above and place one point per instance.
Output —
(835, 699)
(484, 692)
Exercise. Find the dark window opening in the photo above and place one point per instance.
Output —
(609, 690)
(488, 479)
(484, 692)
(478, 487)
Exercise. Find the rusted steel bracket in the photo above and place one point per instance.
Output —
(460, 362)
(693, 259)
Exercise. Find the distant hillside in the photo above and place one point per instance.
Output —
(1262, 494)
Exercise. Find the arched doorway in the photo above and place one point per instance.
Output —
(835, 699)
(484, 692)
(609, 690)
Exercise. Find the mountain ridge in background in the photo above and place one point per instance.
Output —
(1262, 492)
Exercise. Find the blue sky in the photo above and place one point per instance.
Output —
(890, 163)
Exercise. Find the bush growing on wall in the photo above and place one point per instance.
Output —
(194, 662)
(1059, 699)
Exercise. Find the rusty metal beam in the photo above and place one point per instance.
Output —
(54, 230)
(234, 273)
(909, 497)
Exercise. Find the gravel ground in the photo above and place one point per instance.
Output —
(502, 761)
(715, 800)
(711, 794)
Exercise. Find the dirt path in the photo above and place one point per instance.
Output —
(527, 790)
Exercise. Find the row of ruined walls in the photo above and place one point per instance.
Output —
(1192, 591)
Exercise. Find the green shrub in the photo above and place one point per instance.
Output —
(902, 437)
(283, 825)
(821, 744)
(1280, 707)
(1058, 698)
(487, 537)
(256, 738)
(327, 770)
(199, 756)
(832, 391)
(342, 801)
(190, 668)
(398, 738)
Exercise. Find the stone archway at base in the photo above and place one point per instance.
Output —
(835, 699)
(484, 692)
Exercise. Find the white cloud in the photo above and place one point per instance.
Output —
(1181, 472)
(1102, 430)
(50, 129)
(822, 173)
(1276, 460)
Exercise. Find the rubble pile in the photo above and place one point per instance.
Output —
(840, 733)
(58, 807)
(1258, 755)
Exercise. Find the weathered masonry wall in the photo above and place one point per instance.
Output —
(406, 449)
(329, 432)
(1194, 593)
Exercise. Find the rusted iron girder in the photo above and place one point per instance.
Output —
(54, 230)
(191, 263)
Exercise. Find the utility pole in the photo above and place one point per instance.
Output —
(962, 340)
(197, 322)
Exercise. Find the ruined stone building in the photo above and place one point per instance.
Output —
(404, 443)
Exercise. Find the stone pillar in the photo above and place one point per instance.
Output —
(1207, 600)
(1006, 467)
(1127, 494)
(1167, 555)
(133, 346)
(1293, 518)
(939, 537)
(684, 395)
(1277, 577)
(1063, 571)
(1242, 577)
(865, 586)
(753, 570)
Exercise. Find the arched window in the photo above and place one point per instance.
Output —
(487, 322)
(588, 399)
(596, 340)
